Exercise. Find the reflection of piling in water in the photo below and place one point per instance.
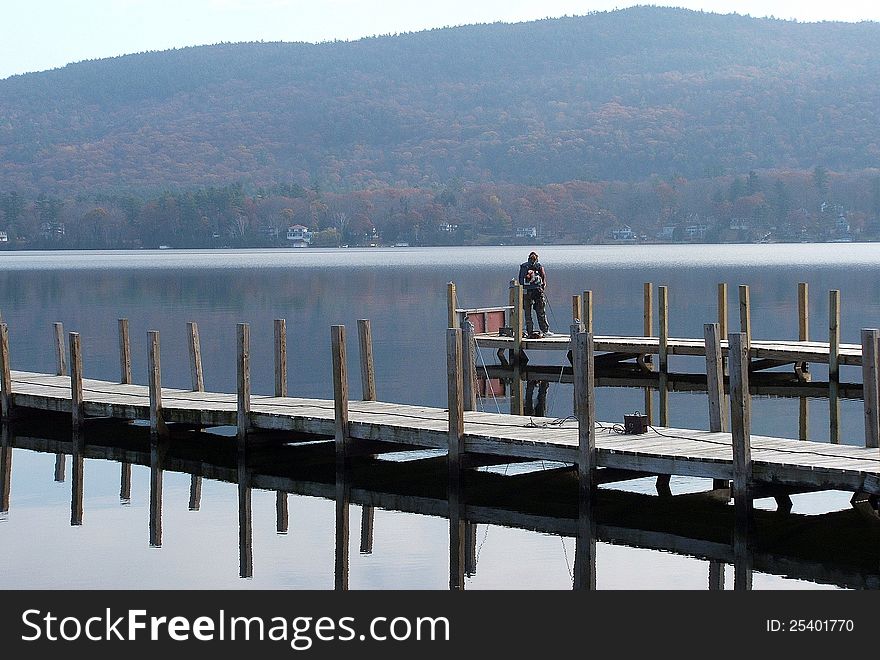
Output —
(740, 419)
(282, 515)
(343, 495)
(834, 365)
(367, 515)
(245, 521)
(125, 482)
(195, 493)
(60, 467)
(157, 449)
(837, 548)
(76, 480)
(5, 469)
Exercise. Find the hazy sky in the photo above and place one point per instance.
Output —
(43, 34)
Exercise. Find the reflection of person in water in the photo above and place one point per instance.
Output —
(536, 407)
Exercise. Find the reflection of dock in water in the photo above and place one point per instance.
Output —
(839, 548)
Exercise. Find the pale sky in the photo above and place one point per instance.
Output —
(36, 35)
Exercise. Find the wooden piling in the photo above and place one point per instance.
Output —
(76, 385)
(663, 397)
(368, 372)
(576, 307)
(451, 305)
(468, 364)
(803, 367)
(60, 361)
(834, 335)
(803, 311)
(340, 388)
(870, 379)
(715, 385)
(244, 383)
(455, 399)
(714, 376)
(517, 403)
(722, 309)
(585, 411)
(195, 357)
(745, 314)
(663, 353)
(516, 301)
(663, 306)
(5, 374)
(740, 415)
(834, 365)
(648, 309)
(124, 353)
(280, 357)
(587, 311)
(157, 423)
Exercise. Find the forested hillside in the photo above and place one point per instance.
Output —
(666, 108)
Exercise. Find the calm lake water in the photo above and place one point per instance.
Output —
(402, 291)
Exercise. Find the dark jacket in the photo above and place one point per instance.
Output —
(532, 281)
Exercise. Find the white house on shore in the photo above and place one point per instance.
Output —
(299, 236)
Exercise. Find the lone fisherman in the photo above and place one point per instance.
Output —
(534, 280)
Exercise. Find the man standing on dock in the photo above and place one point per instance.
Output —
(533, 280)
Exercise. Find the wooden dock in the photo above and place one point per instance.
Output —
(750, 466)
(659, 451)
(727, 451)
(655, 340)
(779, 351)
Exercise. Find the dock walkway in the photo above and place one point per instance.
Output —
(669, 451)
(776, 350)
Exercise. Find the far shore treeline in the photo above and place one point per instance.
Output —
(645, 124)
